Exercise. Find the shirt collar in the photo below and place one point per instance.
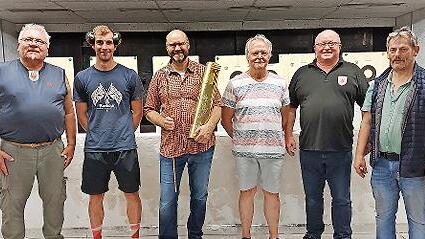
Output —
(190, 67)
(390, 79)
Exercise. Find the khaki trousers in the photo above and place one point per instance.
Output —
(47, 165)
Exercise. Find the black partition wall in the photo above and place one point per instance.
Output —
(207, 45)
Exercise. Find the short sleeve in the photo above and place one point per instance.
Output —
(285, 94)
(292, 90)
(229, 98)
(79, 92)
(367, 104)
(136, 88)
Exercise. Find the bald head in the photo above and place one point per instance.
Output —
(179, 34)
(327, 34)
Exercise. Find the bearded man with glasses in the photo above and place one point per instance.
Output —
(326, 91)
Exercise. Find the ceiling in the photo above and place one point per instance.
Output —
(159, 15)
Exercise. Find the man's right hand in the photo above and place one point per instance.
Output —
(290, 144)
(168, 123)
(360, 166)
(3, 157)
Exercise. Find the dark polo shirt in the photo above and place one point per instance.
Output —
(327, 104)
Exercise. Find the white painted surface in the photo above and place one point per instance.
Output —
(8, 41)
(223, 193)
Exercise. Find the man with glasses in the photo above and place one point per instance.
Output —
(171, 103)
(254, 120)
(326, 91)
(109, 103)
(394, 122)
(35, 109)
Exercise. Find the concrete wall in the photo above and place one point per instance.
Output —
(416, 20)
(8, 39)
(223, 193)
(419, 28)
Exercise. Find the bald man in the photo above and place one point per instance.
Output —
(171, 103)
(326, 90)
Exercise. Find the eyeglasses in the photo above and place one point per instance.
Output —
(330, 44)
(175, 44)
(37, 41)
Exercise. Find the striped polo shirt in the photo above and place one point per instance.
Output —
(257, 122)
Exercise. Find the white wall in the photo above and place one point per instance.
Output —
(415, 20)
(419, 29)
(223, 193)
(8, 39)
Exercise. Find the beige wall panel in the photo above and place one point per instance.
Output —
(66, 63)
(291, 62)
(376, 60)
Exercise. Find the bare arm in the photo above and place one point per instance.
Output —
(289, 121)
(227, 120)
(362, 142)
(166, 123)
(137, 112)
(70, 127)
(82, 108)
(204, 132)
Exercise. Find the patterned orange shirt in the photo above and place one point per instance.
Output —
(176, 97)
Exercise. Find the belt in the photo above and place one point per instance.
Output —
(389, 156)
(31, 145)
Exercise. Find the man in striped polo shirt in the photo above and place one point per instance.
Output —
(252, 115)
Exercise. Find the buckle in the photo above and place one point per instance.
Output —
(389, 156)
(31, 145)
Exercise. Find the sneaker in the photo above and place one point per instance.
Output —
(308, 237)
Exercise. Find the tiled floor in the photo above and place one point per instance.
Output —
(225, 232)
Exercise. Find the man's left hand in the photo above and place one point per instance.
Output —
(203, 134)
(68, 154)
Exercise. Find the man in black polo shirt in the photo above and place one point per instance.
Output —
(326, 90)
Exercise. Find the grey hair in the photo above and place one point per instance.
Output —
(37, 27)
(260, 37)
(403, 32)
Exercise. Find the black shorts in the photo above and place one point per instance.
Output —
(97, 169)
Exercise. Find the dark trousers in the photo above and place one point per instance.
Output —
(335, 168)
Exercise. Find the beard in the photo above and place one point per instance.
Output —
(178, 57)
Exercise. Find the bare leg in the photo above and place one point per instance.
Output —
(96, 214)
(272, 212)
(134, 212)
(246, 210)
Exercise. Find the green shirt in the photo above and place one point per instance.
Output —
(392, 114)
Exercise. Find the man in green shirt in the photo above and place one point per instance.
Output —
(394, 122)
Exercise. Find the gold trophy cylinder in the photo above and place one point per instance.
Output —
(203, 107)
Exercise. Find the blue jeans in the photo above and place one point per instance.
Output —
(386, 186)
(335, 168)
(199, 166)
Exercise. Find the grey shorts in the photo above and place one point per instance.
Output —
(265, 173)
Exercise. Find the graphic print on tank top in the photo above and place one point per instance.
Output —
(106, 99)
